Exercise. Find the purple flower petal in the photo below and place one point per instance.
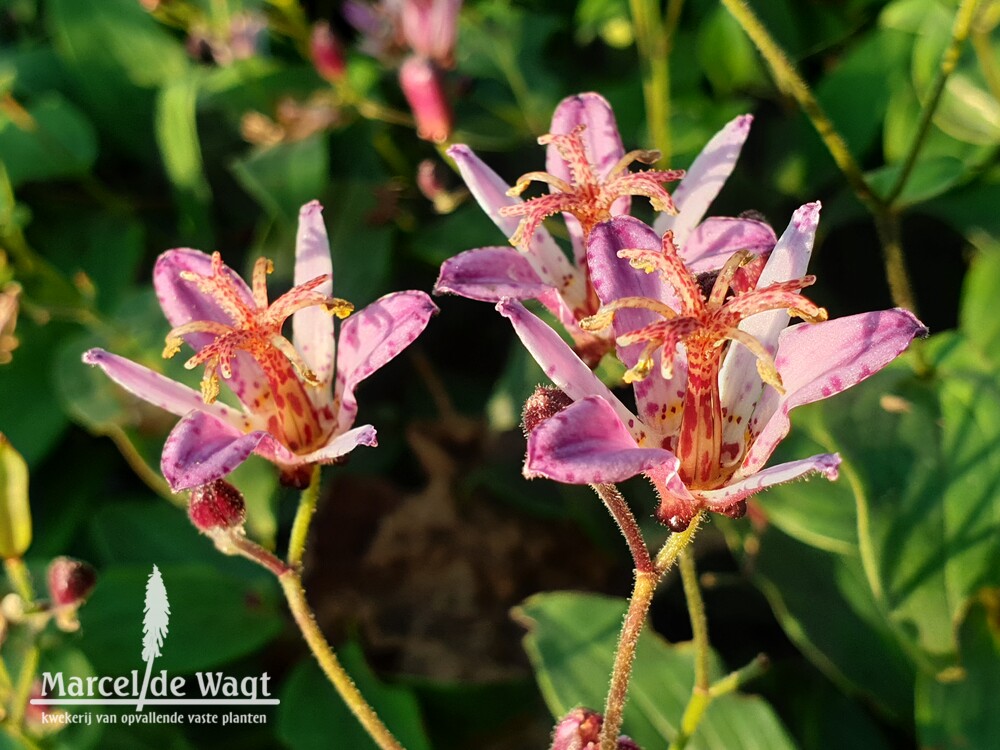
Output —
(715, 240)
(614, 278)
(159, 390)
(819, 360)
(545, 256)
(587, 444)
(489, 274)
(740, 385)
(372, 337)
(341, 445)
(183, 302)
(560, 363)
(708, 173)
(825, 464)
(201, 449)
(312, 327)
(603, 144)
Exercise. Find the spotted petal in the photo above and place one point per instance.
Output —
(561, 364)
(825, 464)
(587, 444)
(371, 338)
(820, 360)
(489, 274)
(183, 302)
(545, 256)
(312, 327)
(708, 173)
(602, 142)
(159, 390)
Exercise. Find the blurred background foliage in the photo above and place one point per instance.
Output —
(130, 127)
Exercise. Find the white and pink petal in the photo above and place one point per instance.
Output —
(489, 274)
(312, 327)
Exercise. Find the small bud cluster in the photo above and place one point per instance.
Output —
(545, 402)
(217, 506)
(580, 729)
(70, 583)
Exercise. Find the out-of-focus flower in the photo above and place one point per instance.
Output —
(423, 86)
(294, 121)
(327, 53)
(586, 166)
(70, 582)
(9, 303)
(389, 28)
(296, 411)
(580, 729)
(244, 37)
(432, 181)
(714, 369)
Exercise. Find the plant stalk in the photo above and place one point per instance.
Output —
(623, 516)
(653, 44)
(303, 518)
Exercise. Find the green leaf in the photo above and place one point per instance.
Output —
(15, 511)
(54, 140)
(313, 716)
(177, 136)
(954, 711)
(979, 320)
(214, 618)
(284, 177)
(727, 56)
(571, 643)
(930, 177)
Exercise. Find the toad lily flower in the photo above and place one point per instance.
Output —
(297, 408)
(714, 368)
(590, 183)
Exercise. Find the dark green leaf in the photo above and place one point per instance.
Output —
(55, 140)
(314, 717)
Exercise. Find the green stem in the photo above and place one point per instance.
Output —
(982, 44)
(653, 44)
(25, 681)
(20, 579)
(291, 584)
(887, 224)
(789, 81)
(734, 680)
(700, 695)
(949, 60)
(623, 516)
(635, 619)
(303, 518)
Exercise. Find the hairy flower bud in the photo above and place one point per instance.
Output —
(70, 581)
(423, 86)
(580, 729)
(545, 402)
(216, 506)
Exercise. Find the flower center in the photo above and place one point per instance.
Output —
(586, 196)
(256, 329)
(706, 321)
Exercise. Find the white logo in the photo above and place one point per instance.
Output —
(160, 689)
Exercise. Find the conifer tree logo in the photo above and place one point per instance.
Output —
(154, 626)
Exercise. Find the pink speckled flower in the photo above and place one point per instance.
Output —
(714, 368)
(590, 183)
(389, 27)
(298, 409)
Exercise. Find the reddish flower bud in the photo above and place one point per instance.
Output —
(70, 581)
(327, 53)
(216, 505)
(545, 402)
(430, 179)
(581, 730)
(423, 87)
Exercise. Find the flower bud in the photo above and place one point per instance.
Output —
(423, 87)
(580, 729)
(216, 506)
(15, 511)
(327, 53)
(9, 302)
(545, 402)
(70, 581)
(429, 27)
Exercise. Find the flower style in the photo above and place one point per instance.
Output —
(711, 412)
(587, 168)
(297, 408)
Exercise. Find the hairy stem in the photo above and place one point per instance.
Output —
(623, 516)
(635, 619)
(303, 518)
(789, 81)
(291, 584)
(887, 224)
(654, 48)
(949, 60)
